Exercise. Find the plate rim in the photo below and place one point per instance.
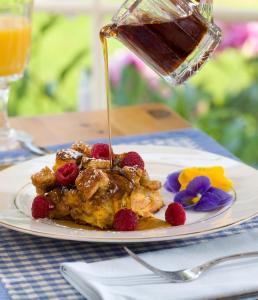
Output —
(127, 239)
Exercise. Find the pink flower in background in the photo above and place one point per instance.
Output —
(122, 59)
(243, 36)
(252, 42)
(234, 35)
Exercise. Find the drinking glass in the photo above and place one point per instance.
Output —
(15, 40)
(174, 37)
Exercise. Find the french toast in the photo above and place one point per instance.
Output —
(99, 191)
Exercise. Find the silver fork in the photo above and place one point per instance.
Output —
(160, 276)
(34, 149)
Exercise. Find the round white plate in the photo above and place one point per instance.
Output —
(16, 195)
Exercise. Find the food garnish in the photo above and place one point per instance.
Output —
(175, 214)
(133, 159)
(201, 189)
(41, 207)
(215, 174)
(125, 220)
(100, 151)
(172, 183)
(67, 174)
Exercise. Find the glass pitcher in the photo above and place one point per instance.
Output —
(174, 37)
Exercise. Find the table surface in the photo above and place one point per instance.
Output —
(133, 120)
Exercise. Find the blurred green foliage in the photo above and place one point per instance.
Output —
(222, 100)
(50, 84)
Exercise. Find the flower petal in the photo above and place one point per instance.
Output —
(215, 174)
(213, 199)
(172, 184)
(199, 185)
(185, 198)
(225, 198)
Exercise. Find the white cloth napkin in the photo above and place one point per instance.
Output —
(223, 280)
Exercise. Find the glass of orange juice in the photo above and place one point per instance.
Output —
(15, 41)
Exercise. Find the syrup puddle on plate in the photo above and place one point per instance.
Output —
(25, 196)
(143, 224)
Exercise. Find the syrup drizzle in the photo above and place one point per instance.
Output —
(104, 34)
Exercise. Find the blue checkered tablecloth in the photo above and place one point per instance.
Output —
(29, 265)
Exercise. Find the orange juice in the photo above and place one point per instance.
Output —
(15, 38)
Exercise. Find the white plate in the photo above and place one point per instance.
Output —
(16, 195)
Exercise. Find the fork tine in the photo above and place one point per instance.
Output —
(145, 264)
(169, 276)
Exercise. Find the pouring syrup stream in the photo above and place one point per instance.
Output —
(104, 34)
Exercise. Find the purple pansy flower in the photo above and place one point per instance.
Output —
(200, 196)
(172, 183)
(185, 198)
(213, 199)
(199, 185)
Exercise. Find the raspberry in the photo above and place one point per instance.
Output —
(41, 207)
(125, 220)
(133, 159)
(175, 214)
(67, 174)
(100, 151)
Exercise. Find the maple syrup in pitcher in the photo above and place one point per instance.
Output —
(164, 46)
